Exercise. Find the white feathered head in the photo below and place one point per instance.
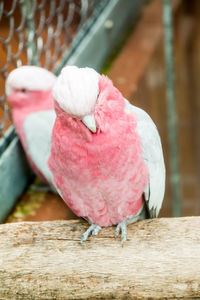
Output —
(30, 78)
(76, 91)
(29, 85)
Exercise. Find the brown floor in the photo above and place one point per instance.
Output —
(150, 95)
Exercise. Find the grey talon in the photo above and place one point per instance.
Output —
(92, 230)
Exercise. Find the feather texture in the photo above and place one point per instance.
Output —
(76, 90)
(101, 176)
(153, 156)
(30, 94)
(31, 78)
(37, 130)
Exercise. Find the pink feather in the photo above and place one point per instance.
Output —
(101, 176)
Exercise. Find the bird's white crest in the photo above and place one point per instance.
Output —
(30, 78)
(76, 90)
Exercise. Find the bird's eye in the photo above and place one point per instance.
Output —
(23, 90)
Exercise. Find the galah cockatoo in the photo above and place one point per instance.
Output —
(29, 91)
(106, 154)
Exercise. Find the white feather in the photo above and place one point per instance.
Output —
(153, 156)
(76, 90)
(30, 78)
(38, 130)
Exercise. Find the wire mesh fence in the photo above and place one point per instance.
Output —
(38, 32)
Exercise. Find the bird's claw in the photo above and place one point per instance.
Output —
(121, 227)
(43, 188)
(93, 229)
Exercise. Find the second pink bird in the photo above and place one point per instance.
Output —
(29, 91)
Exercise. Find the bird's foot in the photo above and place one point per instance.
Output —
(93, 229)
(43, 188)
(121, 227)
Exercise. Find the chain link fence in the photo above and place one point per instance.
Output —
(39, 32)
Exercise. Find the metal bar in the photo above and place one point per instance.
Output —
(28, 9)
(171, 108)
(95, 41)
(81, 35)
(12, 183)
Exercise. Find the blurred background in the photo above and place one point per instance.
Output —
(135, 50)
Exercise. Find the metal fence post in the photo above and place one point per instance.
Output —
(171, 108)
(28, 10)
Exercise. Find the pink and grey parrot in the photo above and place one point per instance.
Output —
(106, 154)
(29, 91)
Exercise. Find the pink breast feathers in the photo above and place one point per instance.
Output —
(101, 175)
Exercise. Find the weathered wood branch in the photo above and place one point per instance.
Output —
(161, 259)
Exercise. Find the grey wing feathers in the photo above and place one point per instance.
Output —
(38, 129)
(153, 156)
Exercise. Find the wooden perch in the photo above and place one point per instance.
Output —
(161, 259)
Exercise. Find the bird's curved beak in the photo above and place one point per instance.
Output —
(90, 123)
